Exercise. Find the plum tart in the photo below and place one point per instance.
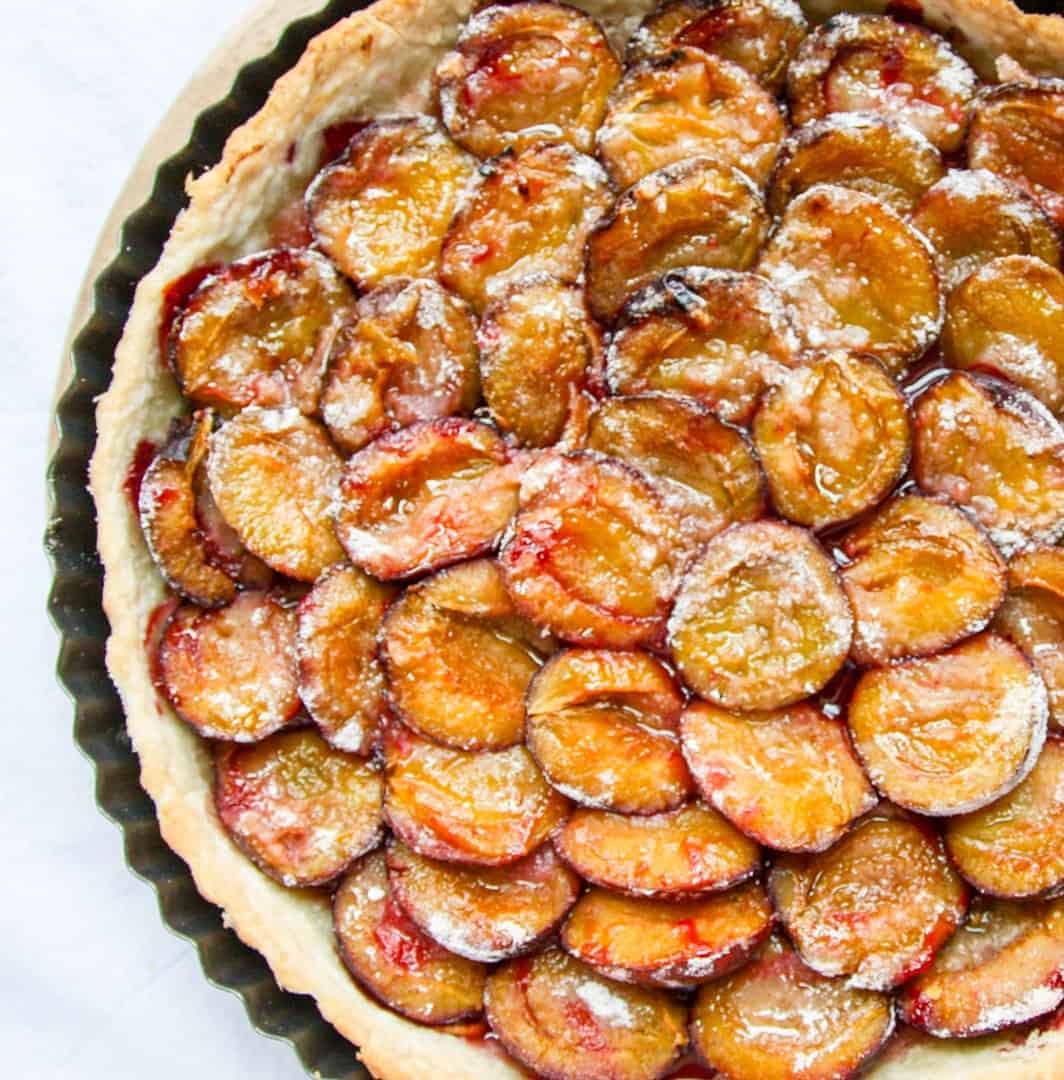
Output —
(590, 606)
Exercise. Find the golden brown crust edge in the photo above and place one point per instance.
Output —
(375, 61)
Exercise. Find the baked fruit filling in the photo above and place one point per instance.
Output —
(610, 543)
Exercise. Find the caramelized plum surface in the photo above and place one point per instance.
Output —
(487, 809)
(1003, 967)
(431, 494)
(833, 438)
(704, 469)
(257, 332)
(524, 71)
(1017, 131)
(693, 213)
(760, 620)
(973, 217)
(687, 103)
(920, 576)
(273, 474)
(592, 555)
(541, 358)
(560, 1018)
(1007, 319)
(776, 1019)
(300, 809)
(766, 772)
(877, 906)
(1015, 847)
(670, 943)
(392, 959)
(529, 211)
(459, 659)
(381, 210)
(410, 354)
(856, 276)
(950, 733)
(871, 63)
(761, 36)
(604, 728)
(675, 854)
(341, 680)
(483, 913)
(997, 452)
(231, 672)
(1033, 617)
(717, 336)
(878, 155)
(166, 506)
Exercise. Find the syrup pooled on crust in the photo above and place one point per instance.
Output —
(616, 516)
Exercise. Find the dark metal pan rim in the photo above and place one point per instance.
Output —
(75, 600)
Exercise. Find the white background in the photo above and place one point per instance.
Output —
(92, 984)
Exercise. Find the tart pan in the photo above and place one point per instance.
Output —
(75, 598)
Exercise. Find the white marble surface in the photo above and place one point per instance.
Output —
(93, 985)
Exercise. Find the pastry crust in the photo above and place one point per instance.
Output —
(378, 61)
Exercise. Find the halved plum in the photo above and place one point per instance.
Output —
(1017, 131)
(787, 778)
(717, 336)
(530, 210)
(523, 70)
(273, 474)
(231, 672)
(381, 210)
(761, 36)
(760, 620)
(973, 217)
(920, 576)
(341, 680)
(167, 508)
(484, 913)
(562, 1019)
(593, 554)
(950, 733)
(869, 152)
(257, 332)
(541, 357)
(410, 354)
(680, 853)
(431, 494)
(1003, 967)
(401, 966)
(996, 451)
(1033, 617)
(688, 103)
(301, 810)
(776, 1019)
(1015, 847)
(670, 943)
(704, 469)
(877, 906)
(604, 728)
(221, 545)
(1007, 319)
(485, 809)
(833, 438)
(856, 276)
(459, 658)
(873, 63)
(692, 213)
